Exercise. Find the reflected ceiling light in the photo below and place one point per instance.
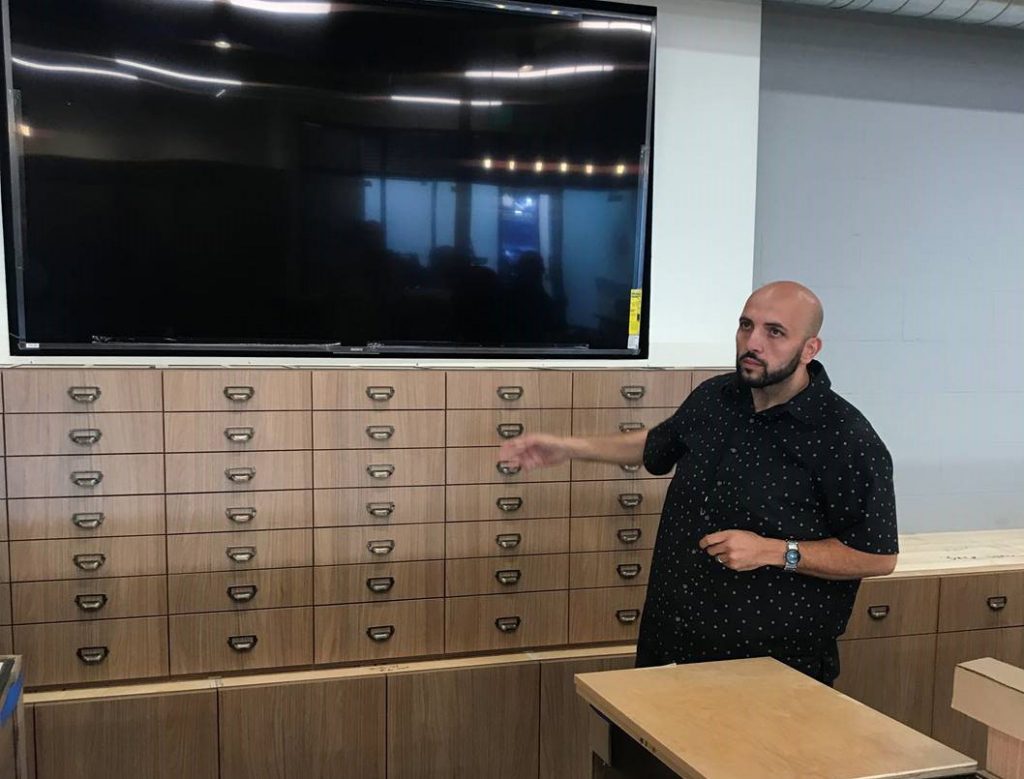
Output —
(178, 74)
(564, 167)
(634, 26)
(488, 163)
(73, 69)
(445, 101)
(588, 168)
(276, 7)
(222, 45)
(620, 169)
(528, 72)
(25, 130)
(511, 164)
(539, 166)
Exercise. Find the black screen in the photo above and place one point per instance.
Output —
(262, 174)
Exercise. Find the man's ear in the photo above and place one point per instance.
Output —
(811, 349)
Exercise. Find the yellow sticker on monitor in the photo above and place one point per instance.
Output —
(635, 296)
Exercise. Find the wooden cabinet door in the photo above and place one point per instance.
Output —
(464, 723)
(314, 730)
(564, 716)
(166, 736)
(951, 727)
(891, 675)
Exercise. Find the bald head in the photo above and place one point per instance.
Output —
(794, 303)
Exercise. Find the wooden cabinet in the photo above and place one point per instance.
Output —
(452, 724)
(154, 736)
(314, 730)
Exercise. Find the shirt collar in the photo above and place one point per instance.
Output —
(808, 405)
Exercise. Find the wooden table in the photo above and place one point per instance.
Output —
(753, 719)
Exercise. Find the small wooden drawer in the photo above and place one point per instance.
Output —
(699, 377)
(510, 538)
(34, 390)
(978, 601)
(492, 428)
(609, 569)
(391, 468)
(361, 390)
(69, 601)
(122, 433)
(379, 506)
(88, 558)
(613, 498)
(894, 607)
(630, 389)
(500, 575)
(85, 475)
(510, 389)
(213, 512)
(239, 591)
(132, 515)
(605, 615)
(613, 534)
(241, 641)
(242, 390)
(478, 465)
(6, 641)
(600, 421)
(239, 471)
(384, 429)
(94, 651)
(351, 545)
(238, 431)
(378, 582)
(499, 622)
(5, 604)
(379, 631)
(208, 552)
(471, 503)
(590, 471)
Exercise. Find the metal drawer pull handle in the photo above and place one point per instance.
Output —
(630, 427)
(878, 612)
(510, 429)
(242, 593)
(629, 535)
(630, 500)
(239, 435)
(239, 394)
(91, 655)
(380, 583)
(997, 602)
(627, 616)
(510, 393)
(509, 504)
(509, 576)
(86, 436)
(86, 478)
(385, 509)
(508, 540)
(87, 520)
(507, 469)
(89, 562)
(240, 475)
(380, 393)
(508, 624)
(628, 570)
(380, 632)
(84, 394)
(630, 468)
(633, 392)
(242, 643)
(380, 471)
(380, 432)
(381, 547)
(91, 602)
(241, 554)
(241, 515)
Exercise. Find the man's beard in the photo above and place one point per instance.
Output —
(768, 378)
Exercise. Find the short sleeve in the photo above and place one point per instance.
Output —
(861, 498)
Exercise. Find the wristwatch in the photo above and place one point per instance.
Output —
(792, 555)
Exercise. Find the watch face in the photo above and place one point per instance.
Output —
(792, 556)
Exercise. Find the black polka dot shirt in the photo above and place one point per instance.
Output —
(809, 469)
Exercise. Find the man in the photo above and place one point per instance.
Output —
(782, 500)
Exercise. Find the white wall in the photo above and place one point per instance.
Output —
(704, 183)
(891, 180)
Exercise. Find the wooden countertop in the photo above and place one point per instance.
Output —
(965, 551)
(745, 718)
